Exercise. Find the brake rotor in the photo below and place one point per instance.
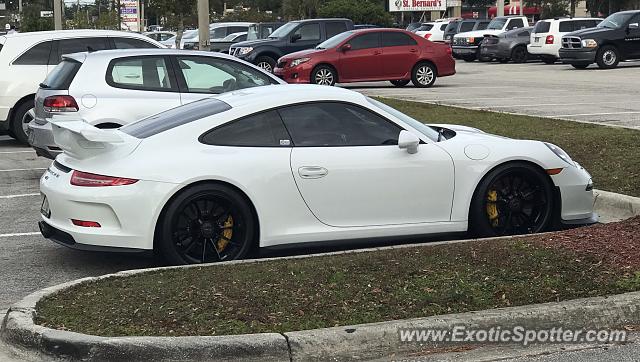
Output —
(226, 235)
(492, 207)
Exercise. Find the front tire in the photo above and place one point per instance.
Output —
(608, 57)
(24, 114)
(266, 63)
(324, 75)
(424, 75)
(399, 82)
(514, 198)
(580, 66)
(206, 223)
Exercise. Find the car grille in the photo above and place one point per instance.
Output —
(281, 64)
(460, 41)
(571, 42)
(233, 51)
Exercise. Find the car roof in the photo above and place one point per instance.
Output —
(61, 34)
(258, 98)
(320, 19)
(121, 53)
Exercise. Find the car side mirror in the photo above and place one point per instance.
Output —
(295, 37)
(345, 47)
(408, 141)
(634, 26)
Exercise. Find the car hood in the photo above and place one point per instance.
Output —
(590, 32)
(478, 33)
(304, 53)
(255, 43)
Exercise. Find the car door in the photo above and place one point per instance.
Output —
(138, 86)
(201, 76)
(363, 60)
(632, 38)
(350, 171)
(399, 53)
(306, 36)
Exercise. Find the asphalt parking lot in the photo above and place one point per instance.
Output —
(557, 91)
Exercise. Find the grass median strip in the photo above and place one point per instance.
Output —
(285, 295)
(611, 155)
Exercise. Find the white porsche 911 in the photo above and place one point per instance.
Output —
(276, 165)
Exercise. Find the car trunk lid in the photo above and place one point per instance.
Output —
(57, 83)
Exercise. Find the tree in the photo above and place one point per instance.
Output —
(363, 12)
(177, 14)
(31, 20)
(550, 8)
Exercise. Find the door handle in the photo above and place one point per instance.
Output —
(377, 52)
(312, 172)
(413, 50)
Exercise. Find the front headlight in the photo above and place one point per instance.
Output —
(589, 43)
(299, 61)
(471, 40)
(244, 50)
(560, 153)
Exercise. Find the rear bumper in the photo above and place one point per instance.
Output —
(461, 50)
(494, 51)
(65, 239)
(544, 50)
(41, 139)
(577, 56)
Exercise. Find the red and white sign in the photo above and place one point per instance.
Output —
(417, 5)
(129, 14)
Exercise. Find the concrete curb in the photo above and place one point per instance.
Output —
(365, 341)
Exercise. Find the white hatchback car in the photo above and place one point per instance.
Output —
(109, 88)
(546, 37)
(27, 58)
(433, 31)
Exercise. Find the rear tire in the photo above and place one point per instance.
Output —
(580, 66)
(22, 115)
(400, 82)
(608, 57)
(266, 63)
(519, 54)
(514, 198)
(424, 75)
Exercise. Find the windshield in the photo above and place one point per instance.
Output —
(334, 41)
(283, 30)
(419, 126)
(425, 27)
(615, 21)
(497, 24)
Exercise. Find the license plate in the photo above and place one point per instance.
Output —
(537, 39)
(44, 209)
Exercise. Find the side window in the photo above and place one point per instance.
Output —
(259, 130)
(466, 26)
(365, 41)
(308, 32)
(394, 39)
(164, 37)
(142, 73)
(242, 37)
(218, 33)
(515, 23)
(335, 28)
(237, 29)
(214, 75)
(482, 25)
(443, 26)
(337, 124)
(37, 55)
(69, 46)
(130, 43)
(266, 31)
(566, 26)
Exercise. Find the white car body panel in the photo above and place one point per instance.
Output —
(437, 31)
(268, 176)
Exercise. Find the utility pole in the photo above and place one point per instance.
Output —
(20, 7)
(57, 14)
(500, 5)
(203, 25)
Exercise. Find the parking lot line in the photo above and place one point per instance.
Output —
(19, 234)
(595, 114)
(545, 104)
(10, 152)
(473, 100)
(15, 196)
(24, 169)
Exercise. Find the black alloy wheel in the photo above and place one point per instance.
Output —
(513, 199)
(519, 54)
(206, 223)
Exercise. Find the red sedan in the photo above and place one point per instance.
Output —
(369, 55)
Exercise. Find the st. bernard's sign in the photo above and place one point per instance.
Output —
(417, 5)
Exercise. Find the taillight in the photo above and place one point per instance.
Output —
(85, 224)
(449, 50)
(79, 178)
(60, 104)
(549, 39)
(427, 36)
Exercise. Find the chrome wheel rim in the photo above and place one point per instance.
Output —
(265, 66)
(27, 118)
(424, 75)
(324, 77)
(609, 57)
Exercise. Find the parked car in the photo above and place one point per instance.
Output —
(217, 32)
(511, 45)
(295, 164)
(187, 35)
(223, 45)
(413, 26)
(456, 26)
(433, 31)
(262, 30)
(27, 58)
(467, 45)
(113, 88)
(289, 38)
(364, 26)
(396, 55)
(547, 34)
(160, 35)
(615, 39)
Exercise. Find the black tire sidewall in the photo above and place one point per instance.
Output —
(16, 123)
(514, 54)
(414, 75)
(318, 68)
(600, 60)
(266, 59)
(400, 82)
(165, 241)
(478, 222)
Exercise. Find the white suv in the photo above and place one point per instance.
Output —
(546, 37)
(27, 58)
(434, 30)
(111, 88)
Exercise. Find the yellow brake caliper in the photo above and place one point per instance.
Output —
(227, 233)
(492, 208)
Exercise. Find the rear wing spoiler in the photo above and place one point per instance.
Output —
(81, 140)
